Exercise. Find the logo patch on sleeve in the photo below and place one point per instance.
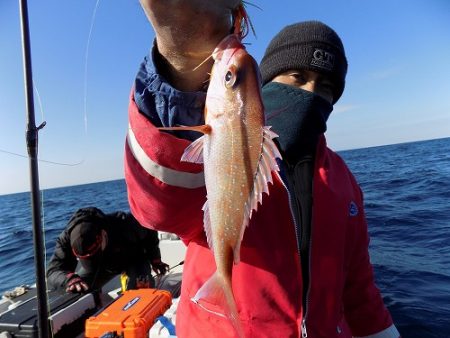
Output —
(353, 210)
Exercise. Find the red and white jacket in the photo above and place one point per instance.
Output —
(166, 194)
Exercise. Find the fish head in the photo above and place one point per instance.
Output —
(235, 83)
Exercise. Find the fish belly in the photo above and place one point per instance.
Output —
(231, 160)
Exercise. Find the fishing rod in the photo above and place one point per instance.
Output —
(32, 147)
(170, 268)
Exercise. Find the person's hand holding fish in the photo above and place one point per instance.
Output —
(187, 31)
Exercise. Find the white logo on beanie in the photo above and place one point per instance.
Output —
(323, 59)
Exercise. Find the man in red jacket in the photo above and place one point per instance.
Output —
(305, 267)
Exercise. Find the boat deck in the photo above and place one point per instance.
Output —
(172, 253)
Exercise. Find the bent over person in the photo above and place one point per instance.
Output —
(95, 247)
(304, 266)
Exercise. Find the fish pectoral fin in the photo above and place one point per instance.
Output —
(216, 297)
(204, 129)
(194, 152)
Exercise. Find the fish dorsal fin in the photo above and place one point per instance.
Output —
(207, 225)
(266, 165)
(194, 152)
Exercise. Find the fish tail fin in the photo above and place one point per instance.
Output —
(216, 296)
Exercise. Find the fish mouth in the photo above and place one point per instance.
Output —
(228, 47)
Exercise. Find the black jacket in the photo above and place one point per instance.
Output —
(128, 243)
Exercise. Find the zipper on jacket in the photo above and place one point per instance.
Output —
(295, 209)
(293, 203)
(304, 332)
(309, 257)
(303, 222)
(297, 232)
(291, 208)
(303, 233)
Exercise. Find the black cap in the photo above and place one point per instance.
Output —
(86, 232)
(86, 239)
(309, 45)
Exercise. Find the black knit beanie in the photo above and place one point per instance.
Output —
(310, 45)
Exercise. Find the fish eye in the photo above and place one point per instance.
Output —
(230, 77)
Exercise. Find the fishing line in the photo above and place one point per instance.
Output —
(85, 112)
(247, 3)
(85, 130)
(39, 100)
(42, 119)
(56, 163)
(85, 123)
(40, 160)
(93, 18)
(86, 58)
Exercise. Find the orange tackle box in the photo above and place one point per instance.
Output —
(131, 315)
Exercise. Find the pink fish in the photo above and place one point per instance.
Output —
(239, 156)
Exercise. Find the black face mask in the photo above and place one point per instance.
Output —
(297, 116)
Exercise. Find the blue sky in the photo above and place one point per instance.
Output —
(398, 87)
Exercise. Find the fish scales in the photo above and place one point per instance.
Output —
(233, 151)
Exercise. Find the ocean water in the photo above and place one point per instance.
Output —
(407, 199)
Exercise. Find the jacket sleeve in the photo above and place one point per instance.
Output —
(152, 245)
(62, 262)
(364, 308)
(164, 193)
(147, 239)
